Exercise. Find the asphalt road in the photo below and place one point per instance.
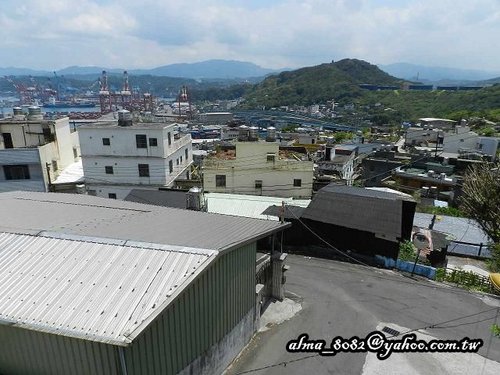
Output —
(341, 299)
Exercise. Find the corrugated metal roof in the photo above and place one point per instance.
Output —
(98, 291)
(92, 216)
(460, 228)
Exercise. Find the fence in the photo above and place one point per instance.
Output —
(461, 248)
(467, 279)
(263, 275)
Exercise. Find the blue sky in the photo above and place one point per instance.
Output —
(53, 34)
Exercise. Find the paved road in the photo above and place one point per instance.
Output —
(347, 300)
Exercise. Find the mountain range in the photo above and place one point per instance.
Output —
(231, 69)
(210, 69)
(422, 73)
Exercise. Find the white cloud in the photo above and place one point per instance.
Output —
(129, 34)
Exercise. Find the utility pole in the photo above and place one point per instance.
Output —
(50, 187)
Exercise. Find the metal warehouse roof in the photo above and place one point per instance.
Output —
(85, 215)
(459, 228)
(106, 291)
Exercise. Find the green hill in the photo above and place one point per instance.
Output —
(317, 84)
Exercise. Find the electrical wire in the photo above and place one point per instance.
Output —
(429, 326)
(325, 241)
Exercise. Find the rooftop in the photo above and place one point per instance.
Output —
(31, 213)
(91, 288)
(135, 125)
(364, 209)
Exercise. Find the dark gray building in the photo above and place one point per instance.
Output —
(367, 221)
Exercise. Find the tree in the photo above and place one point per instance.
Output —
(481, 201)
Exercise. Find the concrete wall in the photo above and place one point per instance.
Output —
(461, 139)
(123, 141)
(251, 164)
(123, 155)
(24, 156)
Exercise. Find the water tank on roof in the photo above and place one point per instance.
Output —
(243, 133)
(18, 113)
(35, 113)
(253, 134)
(195, 200)
(271, 134)
(124, 118)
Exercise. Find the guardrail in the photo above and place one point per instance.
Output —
(462, 248)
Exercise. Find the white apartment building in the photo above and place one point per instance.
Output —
(258, 168)
(33, 151)
(120, 156)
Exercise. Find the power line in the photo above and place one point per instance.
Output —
(429, 326)
(326, 242)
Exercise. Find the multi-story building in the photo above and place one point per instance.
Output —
(34, 150)
(258, 168)
(120, 156)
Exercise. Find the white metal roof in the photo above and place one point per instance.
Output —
(250, 206)
(71, 174)
(99, 290)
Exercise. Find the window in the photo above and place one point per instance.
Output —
(108, 169)
(170, 166)
(220, 180)
(16, 172)
(258, 184)
(153, 142)
(7, 140)
(169, 136)
(141, 141)
(54, 166)
(181, 158)
(143, 170)
(92, 192)
(177, 161)
(106, 142)
(297, 182)
(271, 157)
(186, 154)
(112, 195)
(75, 153)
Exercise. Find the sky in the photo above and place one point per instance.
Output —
(53, 34)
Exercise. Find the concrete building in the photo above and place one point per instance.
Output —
(380, 165)
(258, 168)
(98, 286)
(434, 180)
(216, 117)
(416, 136)
(33, 151)
(339, 163)
(120, 156)
(467, 144)
(441, 123)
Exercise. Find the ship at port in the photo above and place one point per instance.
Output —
(53, 103)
